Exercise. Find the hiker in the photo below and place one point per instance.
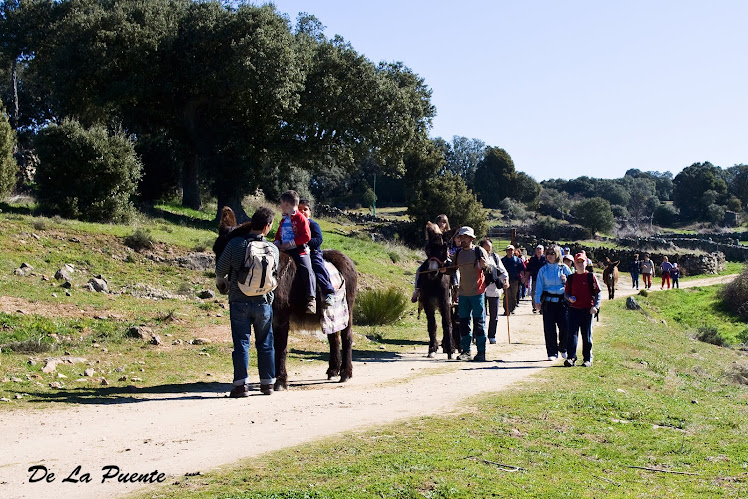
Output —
(674, 275)
(583, 293)
(498, 281)
(249, 311)
(471, 260)
(647, 268)
(549, 297)
(293, 236)
(513, 266)
(634, 271)
(534, 264)
(315, 254)
(665, 268)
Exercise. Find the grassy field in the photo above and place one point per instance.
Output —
(659, 414)
(39, 320)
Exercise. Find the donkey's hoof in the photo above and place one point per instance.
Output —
(344, 377)
(278, 387)
(431, 355)
(332, 373)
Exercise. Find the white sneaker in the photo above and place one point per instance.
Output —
(563, 355)
(587, 363)
(553, 357)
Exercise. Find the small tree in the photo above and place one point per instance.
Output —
(86, 173)
(448, 194)
(8, 165)
(594, 214)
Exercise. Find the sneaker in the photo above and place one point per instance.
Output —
(311, 306)
(329, 300)
(587, 363)
(479, 357)
(465, 356)
(563, 355)
(239, 392)
(570, 362)
(534, 311)
(553, 357)
(266, 389)
(492, 341)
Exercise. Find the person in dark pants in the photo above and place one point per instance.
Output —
(533, 266)
(634, 270)
(583, 293)
(549, 297)
(513, 266)
(324, 285)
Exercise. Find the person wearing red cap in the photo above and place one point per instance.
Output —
(583, 293)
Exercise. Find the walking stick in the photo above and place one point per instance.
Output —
(506, 299)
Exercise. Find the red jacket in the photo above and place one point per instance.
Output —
(300, 226)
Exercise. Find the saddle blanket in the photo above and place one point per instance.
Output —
(335, 317)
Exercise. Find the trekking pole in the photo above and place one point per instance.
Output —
(506, 300)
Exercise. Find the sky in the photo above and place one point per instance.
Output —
(568, 88)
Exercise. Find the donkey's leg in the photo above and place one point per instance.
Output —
(447, 343)
(346, 336)
(334, 365)
(280, 337)
(430, 310)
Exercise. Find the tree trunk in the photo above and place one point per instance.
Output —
(191, 184)
(14, 116)
(235, 203)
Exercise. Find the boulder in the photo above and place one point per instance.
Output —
(99, 285)
(63, 274)
(206, 294)
(631, 304)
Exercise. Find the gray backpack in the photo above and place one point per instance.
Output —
(259, 274)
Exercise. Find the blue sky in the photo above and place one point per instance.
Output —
(569, 88)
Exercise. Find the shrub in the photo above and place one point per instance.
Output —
(735, 295)
(140, 240)
(86, 173)
(394, 256)
(379, 307)
(710, 334)
(8, 165)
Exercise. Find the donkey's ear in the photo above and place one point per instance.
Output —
(228, 219)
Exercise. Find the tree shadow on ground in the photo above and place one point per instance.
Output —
(358, 355)
(16, 209)
(180, 219)
(131, 394)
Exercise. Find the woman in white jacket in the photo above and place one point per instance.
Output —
(549, 297)
(499, 280)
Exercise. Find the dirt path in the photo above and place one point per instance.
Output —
(187, 432)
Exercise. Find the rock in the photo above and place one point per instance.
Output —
(122, 378)
(88, 287)
(89, 372)
(61, 376)
(205, 354)
(68, 293)
(31, 362)
(16, 380)
(155, 340)
(177, 342)
(197, 261)
(206, 294)
(25, 266)
(99, 285)
(66, 285)
(54, 295)
(63, 275)
(4, 399)
(631, 304)
(56, 385)
(35, 236)
(19, 272)
(136, 379)
(104, 382)
(141, 332)
(201, 341)
(18, 396)
(50, 366)
(45, 278)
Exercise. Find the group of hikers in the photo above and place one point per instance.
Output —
(247, 271)
(646, 267)
(567, 302)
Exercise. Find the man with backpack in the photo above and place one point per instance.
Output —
(251, 265)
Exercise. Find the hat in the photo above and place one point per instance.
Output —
(567, 257)
(510, 247)
(567, 249)
(581, 256)
(466, 231)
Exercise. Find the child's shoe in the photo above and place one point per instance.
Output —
(311, 306)
(329, 300)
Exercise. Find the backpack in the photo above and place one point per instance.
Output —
(259, 274)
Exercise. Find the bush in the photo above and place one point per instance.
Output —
(551, 229)
(86, 173)
(379, 307)
(710, 334)
(735, 295)
(8, 165)
(665, 215)
(139, 240)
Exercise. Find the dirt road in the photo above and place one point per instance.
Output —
(196, 430)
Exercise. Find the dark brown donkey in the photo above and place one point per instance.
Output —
(610, 277)
(290, 303)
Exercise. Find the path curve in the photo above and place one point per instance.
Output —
(182, 433)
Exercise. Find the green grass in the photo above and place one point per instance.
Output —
(655, 398)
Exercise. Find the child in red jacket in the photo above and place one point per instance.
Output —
(292, 236)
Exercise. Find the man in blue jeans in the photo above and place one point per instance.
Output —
(249, 311)
(471, 260)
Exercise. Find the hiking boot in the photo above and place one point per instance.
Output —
(570, 362)
(587, 363)
(239, 392)
(266, 389)
(465, 356)
(329, 300)
(479, 357)
(311, 306)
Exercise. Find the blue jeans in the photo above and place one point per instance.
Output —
(244, 316)
(635, 280)
(475, 306)
(580, 321)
